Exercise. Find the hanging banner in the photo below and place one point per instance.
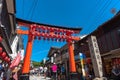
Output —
(16, 61)
(82, 57)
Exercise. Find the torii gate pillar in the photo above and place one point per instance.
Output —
(26, 65)
(71, 57)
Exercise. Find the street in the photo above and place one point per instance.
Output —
(34, 77)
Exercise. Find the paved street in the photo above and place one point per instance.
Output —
(38, 78)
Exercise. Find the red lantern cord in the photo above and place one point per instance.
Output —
(39, 38)
(48, 39)
(44, 38)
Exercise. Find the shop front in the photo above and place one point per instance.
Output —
(111, 59)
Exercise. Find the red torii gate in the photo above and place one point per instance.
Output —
(47, 32)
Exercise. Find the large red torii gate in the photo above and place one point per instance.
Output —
(47, 32)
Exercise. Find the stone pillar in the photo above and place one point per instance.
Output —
(96, 58)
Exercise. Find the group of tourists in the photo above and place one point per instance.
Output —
(7, 73)
(57, 71)
(42, 70)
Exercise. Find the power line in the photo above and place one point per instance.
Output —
(99, 20)
(33, 8)
(98, 3)
(23, 8)
(101, 11)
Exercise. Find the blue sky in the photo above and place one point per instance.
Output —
(87, 14)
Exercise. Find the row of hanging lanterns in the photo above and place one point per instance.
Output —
(53, 34)
(51, 29)
(3, 54)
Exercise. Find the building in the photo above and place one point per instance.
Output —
(53, 54)
(10, 39)
(7, 30)
(108, 38)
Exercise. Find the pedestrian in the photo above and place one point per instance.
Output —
(41, 70)
(79, 72)
(45, 71)
(59, 72)
(54, 71)
(116, 72)
(63, 71)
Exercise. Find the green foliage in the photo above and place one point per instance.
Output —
(37, 64)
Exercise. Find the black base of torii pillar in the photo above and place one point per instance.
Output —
(24, 77)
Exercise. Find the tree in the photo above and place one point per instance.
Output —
(37, 64)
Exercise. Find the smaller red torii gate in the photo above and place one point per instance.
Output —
(47, 32)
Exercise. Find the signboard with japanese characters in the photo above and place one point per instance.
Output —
(95, 56)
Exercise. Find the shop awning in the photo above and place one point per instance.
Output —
(112, 54)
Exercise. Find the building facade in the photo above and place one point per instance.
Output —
(108, 38)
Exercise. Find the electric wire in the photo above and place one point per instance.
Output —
(102, 15)
(100, 12)
(23, 8)
(32, 10)
(100, 20)
(96, 10)
(98, 3)
(32, 14)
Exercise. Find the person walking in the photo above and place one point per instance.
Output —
(59, 72)
(63, 72)
(54, 71)
(41, 70)
(45, 71)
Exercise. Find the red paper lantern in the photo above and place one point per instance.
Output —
(3, 54)
(6, 58)
(0, 50)
(0, 39)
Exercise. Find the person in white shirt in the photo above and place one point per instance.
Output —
(45, 71)
(41, 70)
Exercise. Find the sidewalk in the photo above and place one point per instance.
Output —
(34, 77)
